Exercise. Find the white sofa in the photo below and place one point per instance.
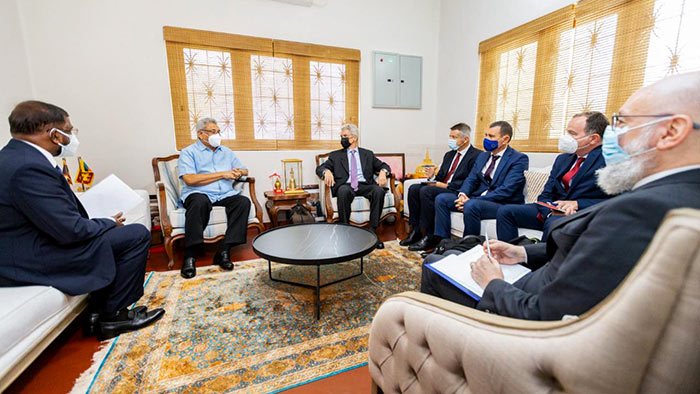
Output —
(31, 317)
(535, 180)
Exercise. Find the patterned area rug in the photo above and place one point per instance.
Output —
(240, 332)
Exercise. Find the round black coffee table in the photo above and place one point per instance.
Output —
(315, 244)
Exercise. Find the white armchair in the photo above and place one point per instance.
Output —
(359, 215)
(172, 213)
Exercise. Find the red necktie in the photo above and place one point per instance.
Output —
(566, 179)
(453, 168)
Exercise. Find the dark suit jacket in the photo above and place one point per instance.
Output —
(588, 254)
(463, 169)
(338, 164)
(507, 183)
(46, 237)
(583, 187)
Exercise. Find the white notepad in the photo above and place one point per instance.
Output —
(456, 269)
(109, 197)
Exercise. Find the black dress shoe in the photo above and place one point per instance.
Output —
(223, 260)
(412, 238)
(380, 245)
(92, 325)
(426, 243)
(188, 269)
(132, 320)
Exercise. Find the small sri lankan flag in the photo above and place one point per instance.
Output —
(66, 172)
(85, 174)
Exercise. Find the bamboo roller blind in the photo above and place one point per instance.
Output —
(265, 94)
(590, 56)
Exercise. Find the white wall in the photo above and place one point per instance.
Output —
(463, 24)
(14, 75)
(105, 63)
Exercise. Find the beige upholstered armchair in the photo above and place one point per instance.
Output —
(643, 338)
(172, 213)
(359, 215)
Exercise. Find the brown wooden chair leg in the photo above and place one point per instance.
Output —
(169, 251)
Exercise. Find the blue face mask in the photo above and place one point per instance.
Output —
(452, 143)
(612, 151)
(490, 145)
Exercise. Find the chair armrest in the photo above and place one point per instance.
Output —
(165, 225)
(328, 202)
(397, 195)
(251, 188)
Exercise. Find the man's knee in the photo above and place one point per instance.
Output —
(472, 206)
(507, 212)
(344, 192)
(444, 201)
(415, 190)
(197, 201)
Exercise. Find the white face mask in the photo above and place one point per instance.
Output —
(569, 144)
(215, 140)
(71, 149)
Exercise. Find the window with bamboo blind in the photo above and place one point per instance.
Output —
(589, 56)
(265, 94)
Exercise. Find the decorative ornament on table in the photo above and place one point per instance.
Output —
(422, 167)
(276, 183)
(85, 175)
(292, 170)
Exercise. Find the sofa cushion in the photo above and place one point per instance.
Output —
(534, 184)
(26, 308)
(362, 204)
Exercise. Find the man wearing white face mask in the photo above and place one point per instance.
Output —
(572, 182)
(209, 171)
(651, 154)
(46, 236)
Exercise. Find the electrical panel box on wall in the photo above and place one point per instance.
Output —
(397, 80)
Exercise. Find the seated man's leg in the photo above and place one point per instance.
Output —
(444, 206)
(510, 217)
(197, 211)
(548, 224)
(476, 210)
(428, 194)
(344, 196)
(237, 211)
(414, 205)
(130, 245)
(434, 284)
(375, 195)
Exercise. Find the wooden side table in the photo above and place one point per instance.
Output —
(283, 202)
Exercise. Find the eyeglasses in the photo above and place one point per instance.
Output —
(213, 131)
(616, 118)
(73, 131)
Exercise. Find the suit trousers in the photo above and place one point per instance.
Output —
(435, 285)
(374, 193)
(198, 209)
(477, 210)
(421, 205)
(511, 217)
(130, 245)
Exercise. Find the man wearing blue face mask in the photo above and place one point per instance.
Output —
(572, 182)
(209, 171)
(651, 154)
(456, 165)
(496, 179)
(46, 236)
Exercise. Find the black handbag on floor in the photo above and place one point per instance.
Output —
(299, 214)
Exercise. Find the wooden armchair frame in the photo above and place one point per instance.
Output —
(167, 227)
(399, 225)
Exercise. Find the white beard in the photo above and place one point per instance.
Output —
(621, 177)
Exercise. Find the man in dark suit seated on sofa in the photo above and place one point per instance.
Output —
(456, 165)
(350, 171)
(651, 154)
(46, 237)
(496, 179)
(572, 182)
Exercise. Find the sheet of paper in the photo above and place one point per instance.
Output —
(457, 268)
(109, 197)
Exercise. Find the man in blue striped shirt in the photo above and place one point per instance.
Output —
(209, 171)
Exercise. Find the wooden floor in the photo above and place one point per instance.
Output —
(55, 371)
